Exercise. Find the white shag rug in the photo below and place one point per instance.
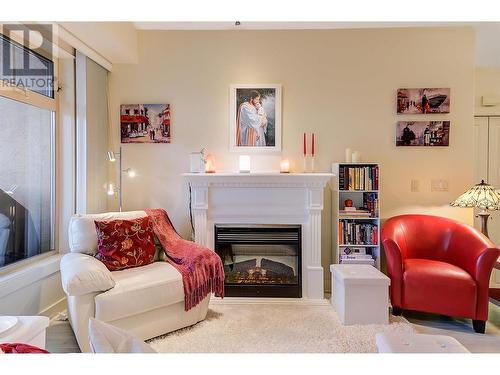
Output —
(275, 329)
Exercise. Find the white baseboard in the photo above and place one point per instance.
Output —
(53, 310)
(268, 301)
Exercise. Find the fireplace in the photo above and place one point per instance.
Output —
(260, 260)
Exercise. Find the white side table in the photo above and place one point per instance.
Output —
(360, 294)
(28, 330)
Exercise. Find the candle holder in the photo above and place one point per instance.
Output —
(308, 162)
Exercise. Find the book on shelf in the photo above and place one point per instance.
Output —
(358, 178)
(357, 213)
(355, 233)
(370, 262)
(356, 256)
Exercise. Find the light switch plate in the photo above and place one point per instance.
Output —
(439, 185)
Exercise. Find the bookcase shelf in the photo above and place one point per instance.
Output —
(366, 178)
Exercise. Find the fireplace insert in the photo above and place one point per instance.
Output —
(260, 260)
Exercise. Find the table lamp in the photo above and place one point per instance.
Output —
(482, 196)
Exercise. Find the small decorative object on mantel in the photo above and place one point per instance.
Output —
(145, 123)
(425, 100)
(285, 166)
(312, 152)
(244, 164)
(482, 196)
(305, 156)
(197, 161)
(423, 133)
(210, 164)
(304, 153)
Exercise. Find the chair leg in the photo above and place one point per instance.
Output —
(479, 326)
(397, 311)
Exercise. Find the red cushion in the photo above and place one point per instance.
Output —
(438, 287)
(20, 348)
(125, 243)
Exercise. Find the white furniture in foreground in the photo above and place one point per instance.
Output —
(28, 330)
(105, 338)
(146, 301)
(417, 343)
(360, 294)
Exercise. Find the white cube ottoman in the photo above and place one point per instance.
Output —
(360, 294)
(28, 330)
(417, 343)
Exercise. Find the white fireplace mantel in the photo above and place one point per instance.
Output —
(264, 198)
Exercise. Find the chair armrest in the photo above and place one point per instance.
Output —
(395, 270)
(82, 274)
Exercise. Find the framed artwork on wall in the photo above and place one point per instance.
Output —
(255, 118)
(425, 100)
(423, 133)
(145, 123)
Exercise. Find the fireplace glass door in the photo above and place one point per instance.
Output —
(260, 261)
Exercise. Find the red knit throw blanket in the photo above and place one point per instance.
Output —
(201, 268)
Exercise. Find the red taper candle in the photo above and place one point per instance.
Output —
(312, 145)
(305, 147)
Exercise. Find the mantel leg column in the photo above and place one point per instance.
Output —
(200, 207)
(314, 270)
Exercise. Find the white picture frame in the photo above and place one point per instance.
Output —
(251, 137)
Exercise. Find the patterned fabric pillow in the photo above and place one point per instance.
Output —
(125, 243)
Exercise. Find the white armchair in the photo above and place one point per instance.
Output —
(147, 301)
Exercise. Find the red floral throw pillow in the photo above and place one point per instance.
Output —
(125, 243)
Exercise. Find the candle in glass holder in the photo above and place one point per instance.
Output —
(210, 164)
(285, 166)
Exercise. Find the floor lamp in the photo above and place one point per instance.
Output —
(129, 171)
(482, 196)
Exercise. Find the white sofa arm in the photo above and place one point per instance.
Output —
(82, 274)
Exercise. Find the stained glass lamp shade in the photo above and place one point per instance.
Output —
(483, 196)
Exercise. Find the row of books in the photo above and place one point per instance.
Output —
(356, 255)
(370, 203)
(354, 233)
(358, 178)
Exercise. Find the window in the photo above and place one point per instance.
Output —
(27, 164)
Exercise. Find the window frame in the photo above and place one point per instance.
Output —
(38, 100)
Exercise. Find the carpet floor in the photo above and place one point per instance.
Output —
(274, 329)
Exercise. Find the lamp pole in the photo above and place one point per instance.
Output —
(484, 215)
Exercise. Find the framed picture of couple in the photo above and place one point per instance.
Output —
(255, 118)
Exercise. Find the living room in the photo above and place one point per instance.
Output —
(243, 185)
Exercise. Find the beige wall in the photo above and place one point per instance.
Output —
(487, 83)
(340, 84)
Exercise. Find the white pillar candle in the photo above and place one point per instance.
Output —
(348, 155)
(356, 157)
(244, 164)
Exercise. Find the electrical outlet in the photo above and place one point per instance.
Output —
(415, 186)
(439, 185)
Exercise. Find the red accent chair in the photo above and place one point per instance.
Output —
(438, 265)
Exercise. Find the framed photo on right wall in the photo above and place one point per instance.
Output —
(423, 133)
(423, 101)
